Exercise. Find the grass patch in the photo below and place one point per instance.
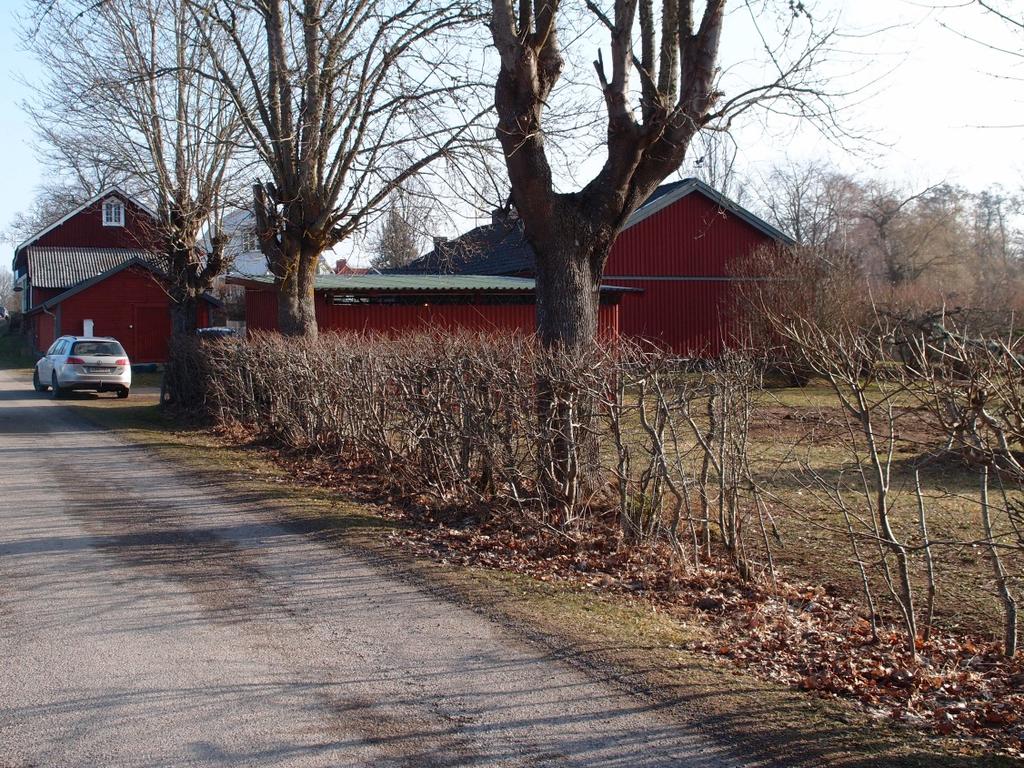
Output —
(14, 351)
(643, 648)
(147, 379)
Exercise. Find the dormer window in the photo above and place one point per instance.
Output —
(113, 213)
(250, 241)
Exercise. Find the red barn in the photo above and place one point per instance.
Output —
(94, 272)
(677, 249)
(397, 303)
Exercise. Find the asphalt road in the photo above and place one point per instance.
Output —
(147, 620)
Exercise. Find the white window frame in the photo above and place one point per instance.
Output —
(250, 241)
(113, 212)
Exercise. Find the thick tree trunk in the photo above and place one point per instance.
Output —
(568, 302)
(296, 307)
(567, 298)
(184, 312)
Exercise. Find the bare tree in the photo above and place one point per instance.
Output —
(996, 240)
(909, 235)
(343, 102)
(1005, 40)
(8, 298)
(974, 387)
(814, 203)
(673, 53)
(811, 283)
(854, 361)
(124, 91)
(714, 162)
(51, 202)
(1008, 14)
(1003, 10)
(399, 237)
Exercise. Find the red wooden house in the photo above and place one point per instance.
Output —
(678, 249)
(94, 272)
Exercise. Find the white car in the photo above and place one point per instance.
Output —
(97, 364)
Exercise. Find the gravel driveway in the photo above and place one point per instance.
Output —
(150, 620)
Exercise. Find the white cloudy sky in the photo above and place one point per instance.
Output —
(940, 113)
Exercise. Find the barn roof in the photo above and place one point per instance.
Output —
(413, 283)
(65, 267)
(146, 261)
(501, 248)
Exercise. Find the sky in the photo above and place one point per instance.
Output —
(934, 105)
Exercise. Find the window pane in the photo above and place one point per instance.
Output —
(97, 348)
(113, 213)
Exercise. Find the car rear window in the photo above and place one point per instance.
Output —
(96, 348)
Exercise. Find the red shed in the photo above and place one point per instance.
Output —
(94, 272)
(678, 248)
(399, 303)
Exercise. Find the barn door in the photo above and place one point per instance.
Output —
(152, 328)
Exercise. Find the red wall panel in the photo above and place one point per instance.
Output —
(114, 307)
(261, 315)
(85, 230)
(694, 237)
(260, 310)
(684, 244)
(39, 295)
(43, 331)
(692, 318)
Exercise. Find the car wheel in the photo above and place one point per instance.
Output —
(37, 385)
(55, 391)
(122, 393)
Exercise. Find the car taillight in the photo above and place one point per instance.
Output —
(76, 361)
(122, 361)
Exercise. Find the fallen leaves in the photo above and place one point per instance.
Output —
(805, 636)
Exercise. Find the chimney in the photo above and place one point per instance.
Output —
(439, 240)
(341, 266)
(504, 216)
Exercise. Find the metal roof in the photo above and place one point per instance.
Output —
(370, 282)
(414, 282)
(66, 267)
(501, 248)
(148, 263)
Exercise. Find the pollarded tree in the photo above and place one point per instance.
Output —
(661, 87)
(124, 90)
(344, 102)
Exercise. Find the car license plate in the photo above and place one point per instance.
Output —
(100, 370)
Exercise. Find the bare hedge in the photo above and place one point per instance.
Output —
(456, 418)
(498, 424)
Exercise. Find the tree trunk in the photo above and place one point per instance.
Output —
(568, 302)
(296, 307)
(567, 298)
(184, 312)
